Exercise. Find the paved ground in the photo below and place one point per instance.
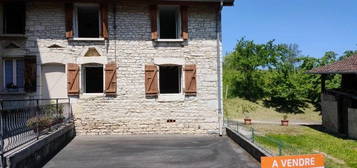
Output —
(152, 152)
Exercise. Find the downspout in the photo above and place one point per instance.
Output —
(115, 31)
(219, 68)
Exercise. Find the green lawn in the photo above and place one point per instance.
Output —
(232, 111)
(339, 153)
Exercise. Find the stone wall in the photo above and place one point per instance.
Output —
(352, 124)
(38, 153)
(329, 110)
(130, 46)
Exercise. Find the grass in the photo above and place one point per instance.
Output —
(232, 109)
(338, 152)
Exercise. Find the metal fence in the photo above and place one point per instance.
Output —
(273, 146)
(23, 121)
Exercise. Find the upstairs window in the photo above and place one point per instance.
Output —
(13, 18)
(169, 22)
(87, 21)
(170, 79)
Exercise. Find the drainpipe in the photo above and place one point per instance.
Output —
(219, 68)
(115, 31)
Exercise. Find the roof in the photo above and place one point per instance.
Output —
(225, 2)
(345, 66)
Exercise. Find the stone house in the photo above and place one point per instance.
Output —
(339, 106)
(128, 67)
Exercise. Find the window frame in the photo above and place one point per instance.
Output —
(75, 19)
(14, 73)
(83, 84)
(180, 76)
(3, 27)
(178, 22)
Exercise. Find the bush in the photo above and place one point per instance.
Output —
(42, 122)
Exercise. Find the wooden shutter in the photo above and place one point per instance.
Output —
(151, 80)
(69, 20)
(73, 79)
(30, 74)
(104, 20)
(153, 18)
(190, 80)
(184, 23)
(110, 79)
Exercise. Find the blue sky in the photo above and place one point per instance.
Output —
(316, 26)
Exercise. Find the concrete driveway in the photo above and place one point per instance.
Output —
(152, 152)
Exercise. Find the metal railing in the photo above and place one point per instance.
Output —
(272, 146)
(26, 120)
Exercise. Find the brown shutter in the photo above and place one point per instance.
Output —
(153, 18)
(184, 21)
(190, 80)
(30, 74)
(151, 80)
(104, 20)
(69, 20)
(110, 79)
(73, 79)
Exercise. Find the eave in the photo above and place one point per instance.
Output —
(181, 2)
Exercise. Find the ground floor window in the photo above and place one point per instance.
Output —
(93, 79)
(14, 74)
(170, 79)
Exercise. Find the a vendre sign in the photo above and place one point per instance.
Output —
(301, 161)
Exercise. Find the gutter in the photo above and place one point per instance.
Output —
(219, 68)
(115, 31)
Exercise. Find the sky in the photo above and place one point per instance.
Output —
(316, 26)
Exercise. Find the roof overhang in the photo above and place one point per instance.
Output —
(328, 73)
(225, 2)
(188, 2)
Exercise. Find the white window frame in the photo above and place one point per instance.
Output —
(178, 22)
(75, 20)
(170, 97)
(83, 79)
(14, 73)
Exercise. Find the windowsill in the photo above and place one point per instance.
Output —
(87, 39)
(91, 95)
(12, 93)
(170, 40)
(13, 36)
(171, 97)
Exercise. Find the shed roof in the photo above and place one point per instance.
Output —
(224, 1)
(345, 66)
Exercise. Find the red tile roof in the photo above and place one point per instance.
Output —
(345, 66)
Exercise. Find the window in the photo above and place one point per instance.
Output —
(170, 79)
(14, 74)
(13, 18)
(87, 21)
(169, 22)
(93, 79)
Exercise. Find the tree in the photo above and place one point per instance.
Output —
(276, 73)
(246, 61)
(348, 53)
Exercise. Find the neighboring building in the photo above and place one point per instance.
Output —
(339, 106)
(129, 67)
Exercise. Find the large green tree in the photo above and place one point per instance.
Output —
(276, 73)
